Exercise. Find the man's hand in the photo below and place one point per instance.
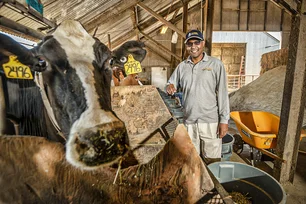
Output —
(171, 89)
(222, 129)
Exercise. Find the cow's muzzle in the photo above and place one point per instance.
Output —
(101, 145)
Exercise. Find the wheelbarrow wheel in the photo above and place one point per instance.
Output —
(238, 144)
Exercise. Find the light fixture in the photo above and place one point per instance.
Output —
(163, 29)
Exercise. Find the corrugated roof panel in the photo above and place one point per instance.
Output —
(90, 14)
(24, 19)
(75, 9)
(118, 29)
(156, 6)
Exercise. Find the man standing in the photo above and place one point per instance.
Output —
(203, 81)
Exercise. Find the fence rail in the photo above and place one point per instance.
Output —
(235, 82)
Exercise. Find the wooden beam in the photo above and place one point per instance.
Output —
(160, 46)
(248, 15)
(221, 9)
(282, 20)
(109, 41)
(239, 8)
(294, 99)
(173, 61)
(145, 25)
(12, 25)
(266, 14)
(160, 18)
(178, 18)
(95, 32)
(108, 14)
(284, 5)
(185, 21)
(135, 22)
(133, 17)
(209, 30)
(30, 12)
(148, 23)
(205, 18)
(2, 109)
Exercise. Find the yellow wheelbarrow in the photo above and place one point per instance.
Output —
(259, 129)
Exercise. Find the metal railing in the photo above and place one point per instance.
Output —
(235, 82)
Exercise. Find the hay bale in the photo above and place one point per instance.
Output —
(273, 59)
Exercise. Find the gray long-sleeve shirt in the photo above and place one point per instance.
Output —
(204, 87)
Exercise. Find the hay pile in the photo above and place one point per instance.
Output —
(265, 93)
(273, 59)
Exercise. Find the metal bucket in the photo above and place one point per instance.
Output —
(249, 181)
(227, 147)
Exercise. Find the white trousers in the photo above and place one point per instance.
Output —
(207, 133)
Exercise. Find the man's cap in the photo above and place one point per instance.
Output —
(194, 34)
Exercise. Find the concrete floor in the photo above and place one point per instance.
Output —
(296, 192)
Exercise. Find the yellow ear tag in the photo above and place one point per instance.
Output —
(132, 66)
(14, 69)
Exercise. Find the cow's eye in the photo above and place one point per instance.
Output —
(123, 59)
(111, 61)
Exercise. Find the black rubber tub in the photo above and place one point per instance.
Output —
(250, 181)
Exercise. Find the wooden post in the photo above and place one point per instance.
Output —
(134, 17)
(209, 28)
(173, 50)
(2, 109)
(185, 20)
(109, 42)
(294, 98)
(204, 9)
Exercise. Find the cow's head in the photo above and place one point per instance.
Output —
(120, 56)
(77, 80)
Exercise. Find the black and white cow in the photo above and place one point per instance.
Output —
(77, 80)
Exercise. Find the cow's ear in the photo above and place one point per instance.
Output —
(10, 46)
(136, 48)
(102, 53)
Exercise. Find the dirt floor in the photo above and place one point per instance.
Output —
(296, 191)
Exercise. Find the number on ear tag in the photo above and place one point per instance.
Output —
(15, 70)
(132, 66)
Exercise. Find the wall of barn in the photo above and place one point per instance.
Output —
(232, 55)
(257, 43)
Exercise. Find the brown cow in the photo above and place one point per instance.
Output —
(34, 170)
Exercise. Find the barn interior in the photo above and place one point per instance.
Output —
(277, 85)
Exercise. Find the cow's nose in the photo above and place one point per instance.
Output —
(102, 144)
